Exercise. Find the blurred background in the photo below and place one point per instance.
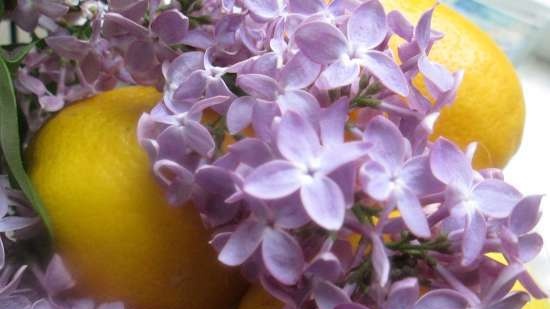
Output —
(522, 29)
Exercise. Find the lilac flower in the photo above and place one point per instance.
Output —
(469, 200)
(327, 45)
(306, 168)
(393, 177)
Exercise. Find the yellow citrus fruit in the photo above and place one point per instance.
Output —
(111, 223)
(489, 107)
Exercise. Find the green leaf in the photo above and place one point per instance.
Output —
(14, 57)
(2, 8)
(11, 142)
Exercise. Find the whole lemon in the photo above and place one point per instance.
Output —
(111, 223)
(489, 107)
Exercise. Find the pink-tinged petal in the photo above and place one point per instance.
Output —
(503, 284)
(412, 213)
(171, 26)
(326, 266)
(140, 56)
(181, 68)
(525, 215)
(529, 247)
(242, 243)
(367, 25)
(436, 73)
(335, 157)
(339, 74)
(387, 143)
(198, 138)
(324, 202)
(301, 102)
(403, 294)
(239, 115)
(475, 234)
(57, 278)
(282, 256)
(321, 42)
(199, 38)
(300, 148)
(515, 301)
(417, 176)
(400, 25)
(215, 180)
(68, 47)
(387, 71)
(306, 7)
(251, 151)
(299, 72)
(328, 296)
(380, 260)
(264, 9)
(333, 122)
(440, 299)
(496, 198)
(274, 180)
(423, 30)
(259, 86)
(31, 83)
(376, 181)
(450, 165)
(115, 24)
(175, 177)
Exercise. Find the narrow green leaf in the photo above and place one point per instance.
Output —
(14, 57)
(11, 142)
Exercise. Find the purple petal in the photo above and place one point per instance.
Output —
(474, 237)
(115, 305)
(333, 122)
(51, 103)
(450, 165)
(200, 106)
(387, 143)
(51, 8)
(436, 73)
(15, 302)
(274, 180)
(324, 202)
(321, 42)
(183, 66)
(12, 223)
(367, 25)
(525, 215)
(376, 181)
(140, 56)
(57, 278)
(299, 72)
(496, 198)
(198, 138)
(215, 180)
(514, 301)
(335, 157)
(416, 174)
(259, 86)
(412, 213)
(328, 296)
(300, 148)
(387, 71)
(380, 260)
(301, 102)
(31, 83)
(350, 306)
(289, 213)
(175, 176)
(262, 120)
(339, 74)
(68, 47)
(251, 151)
(171, 26)
(529, 247)
(403, 294)
(282, 256)
(326, 267)
(400, 25)
(423, 30)
(239, 115)
(306, 7)
(264, 9)
(531, 286)
(242, 243)
(439, 299)
(503, 284)
(114, 24)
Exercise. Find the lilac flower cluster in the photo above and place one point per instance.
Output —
(330, 193)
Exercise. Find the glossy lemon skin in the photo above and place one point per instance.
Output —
(111, 222)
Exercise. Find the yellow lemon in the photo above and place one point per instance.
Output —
(489, 107)
(110, 219)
